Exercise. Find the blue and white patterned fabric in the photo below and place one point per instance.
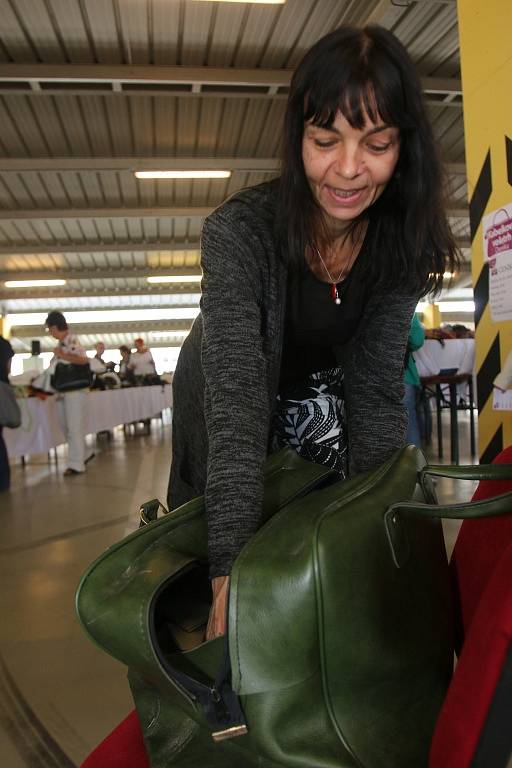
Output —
(311, 419)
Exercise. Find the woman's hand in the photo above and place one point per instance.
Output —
(217, 618)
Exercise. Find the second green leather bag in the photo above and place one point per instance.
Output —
(340, 623)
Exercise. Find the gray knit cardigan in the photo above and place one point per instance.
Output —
(226, 380)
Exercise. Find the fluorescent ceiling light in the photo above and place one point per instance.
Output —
(449, 306)
(167, 334)
(174, 279)
(32, 283)
(182, 174)
(107, 316)
(457, 293)
(457, 306)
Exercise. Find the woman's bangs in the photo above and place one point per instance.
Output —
(320, 108)
(358, 100)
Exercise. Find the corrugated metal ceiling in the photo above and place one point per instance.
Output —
(98, 219)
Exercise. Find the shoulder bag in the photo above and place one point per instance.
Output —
(69, 376)
(10, 414)
(339, 650)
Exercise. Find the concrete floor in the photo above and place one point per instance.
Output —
(59, 694)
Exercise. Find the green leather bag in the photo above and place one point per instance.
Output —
(339, 650)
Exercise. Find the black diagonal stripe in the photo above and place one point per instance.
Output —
(494, 447)
(508, 150)
(481, 293)
(480, 196)
(487, 373)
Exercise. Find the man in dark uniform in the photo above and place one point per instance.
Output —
(6, 354)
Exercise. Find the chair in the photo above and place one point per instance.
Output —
(122, 748)
(473, 729)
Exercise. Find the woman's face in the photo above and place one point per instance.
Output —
(56, 333)
(347, 168)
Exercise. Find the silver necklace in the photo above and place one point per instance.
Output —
(334, 283)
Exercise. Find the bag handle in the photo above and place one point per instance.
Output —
(498, 505)
(469, 472)
(496, 214)
(148, 512)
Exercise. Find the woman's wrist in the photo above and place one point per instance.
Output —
(217, 619)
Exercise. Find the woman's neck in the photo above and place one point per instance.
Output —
(332, 261)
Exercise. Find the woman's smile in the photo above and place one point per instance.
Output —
(349, 168)
(345, 197)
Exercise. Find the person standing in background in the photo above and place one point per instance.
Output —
(141, 361)
(412, 382)
(6, 355)
(70, 405)
(100, 351)
(124, 370)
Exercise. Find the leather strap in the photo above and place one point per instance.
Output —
(478, 472)
(498, 505)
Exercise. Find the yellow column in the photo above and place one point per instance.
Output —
(431, 316)
(484, 30)
(5, 328)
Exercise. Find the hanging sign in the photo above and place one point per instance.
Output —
(502, 401)
(497, 234)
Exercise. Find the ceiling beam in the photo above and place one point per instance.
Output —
(133, 247)
(72, 248)
(50, 294)
(258, 164)
(455, 210)
(168, 212)
(74, 292)
(36, 79)
(455, 169)
(140, 326)
(452, 100)
(378, 11)
(99, 274)
(23, 345)
(215, 92)
(123, 74)
(123, 303)
(132, 164)
(146, 303)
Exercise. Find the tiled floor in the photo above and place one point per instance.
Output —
(59, 694)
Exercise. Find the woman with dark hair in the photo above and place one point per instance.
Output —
(309, 286)
(124, 370)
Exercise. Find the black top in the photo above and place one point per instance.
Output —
(314, 323)
(6, 352)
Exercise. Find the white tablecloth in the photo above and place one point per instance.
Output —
(40, 430)
(432, 357)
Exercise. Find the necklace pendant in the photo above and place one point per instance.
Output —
(335, 294)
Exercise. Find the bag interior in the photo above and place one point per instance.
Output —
(181, 608)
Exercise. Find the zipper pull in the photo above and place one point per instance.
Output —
(223, 717)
